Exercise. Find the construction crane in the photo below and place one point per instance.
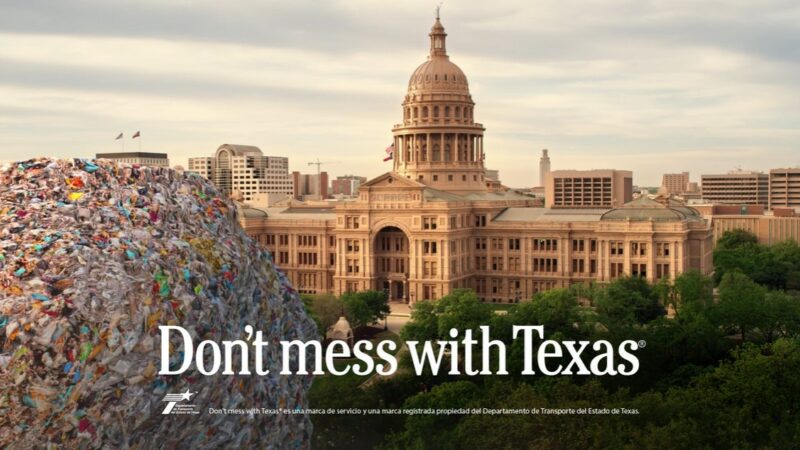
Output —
(319, 163)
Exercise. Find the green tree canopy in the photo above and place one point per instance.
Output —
(741, 303)
(627, 301)
(433, 319)
(365, 307)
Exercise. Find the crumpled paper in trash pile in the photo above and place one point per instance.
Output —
(94, 256)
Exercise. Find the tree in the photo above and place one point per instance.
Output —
(736, 238)
(366, 307)
(433, 319)
(433, 431)
(781, 315)
(557, 310)
(627, 301)
(741, 303)
(695, 293)
(325, 309)
(378, 303)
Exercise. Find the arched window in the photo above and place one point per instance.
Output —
(416, 112)
(424, 112)
(447, 111)
(458, 112)
(436, 111)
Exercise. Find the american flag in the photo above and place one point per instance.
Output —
(390, 152)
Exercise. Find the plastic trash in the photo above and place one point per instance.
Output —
(94, 256)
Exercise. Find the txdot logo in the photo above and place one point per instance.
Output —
(174, 408)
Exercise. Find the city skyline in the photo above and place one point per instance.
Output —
(633, 86)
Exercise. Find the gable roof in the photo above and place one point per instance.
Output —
(395, 178)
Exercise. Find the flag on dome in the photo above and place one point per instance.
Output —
(390, 152)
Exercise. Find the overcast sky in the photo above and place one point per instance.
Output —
(649, 86)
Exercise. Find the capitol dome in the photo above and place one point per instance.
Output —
(438, 143)
(438, 73)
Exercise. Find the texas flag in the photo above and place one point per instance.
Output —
(390, 152)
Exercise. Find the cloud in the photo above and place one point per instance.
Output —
(650, 86)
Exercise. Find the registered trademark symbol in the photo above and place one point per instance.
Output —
(642, 344)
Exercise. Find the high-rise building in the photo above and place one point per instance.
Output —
(588, 188)
(737, 187)
(544, 167)
(203, 166)
(436, 223)
(675, 183)
(310, 186)
(141, 158)
(347, 185)
(784, 188)
(242, 171)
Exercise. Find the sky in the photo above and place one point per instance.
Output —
(651, 86)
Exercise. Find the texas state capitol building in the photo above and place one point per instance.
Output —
(434, 223)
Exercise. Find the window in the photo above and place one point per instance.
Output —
(480, 285)
(480, 263)
(577, 245)
(429, 222)
(429, 269)
(662, 249)
(480, 220)
(545, 245)
(615, 270)
(351, 222)
(514, 264)
(352, 245)
(616, 248)
(497, 244)
(480, 243)
(638, 249)
(545, 265)
(497, 263)
(429, 247)
(352, 265)
(513, 244)
(497, 285)
(306, 259)
(283, 239)
(306, 241)
(639, 270)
